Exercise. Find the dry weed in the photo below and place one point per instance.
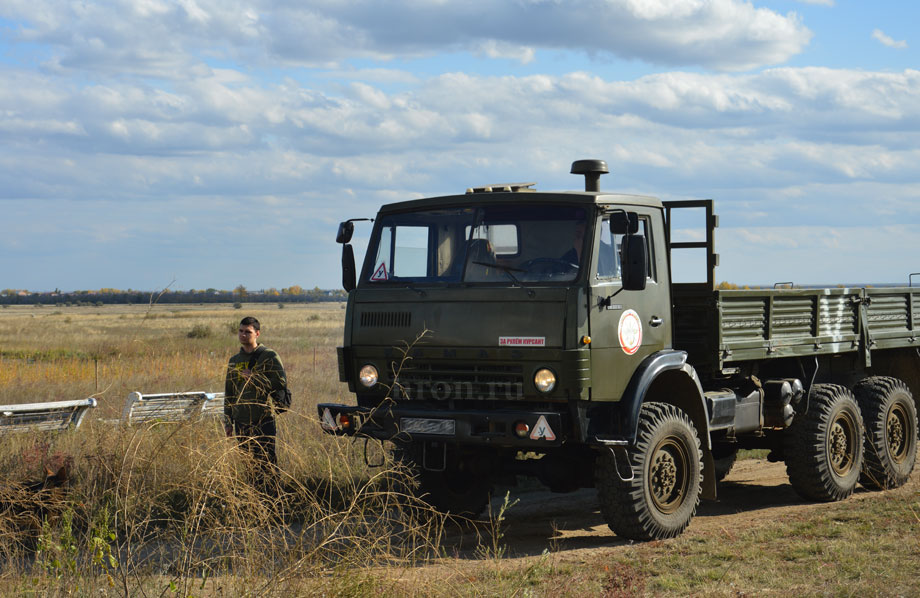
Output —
(175, 508)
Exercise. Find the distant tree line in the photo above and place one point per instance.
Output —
(293, 294)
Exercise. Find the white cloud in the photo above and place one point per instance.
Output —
(773, 126)
(375, 75)
(495, 49)
(885, 40)
(160, 39)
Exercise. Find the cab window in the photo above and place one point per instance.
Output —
(609, 251)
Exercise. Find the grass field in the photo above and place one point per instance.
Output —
(106, 352)
(168, 510)
(172, 503)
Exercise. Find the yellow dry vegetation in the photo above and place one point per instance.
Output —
(107, 352)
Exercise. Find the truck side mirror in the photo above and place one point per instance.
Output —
(348, 267)
(346, 230)
(635, 262)
(623, 223)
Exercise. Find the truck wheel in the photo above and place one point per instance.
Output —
(667, 470)
(824, 446)
(454, 490)
(890, 416)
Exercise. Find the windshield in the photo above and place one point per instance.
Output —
(517, 244)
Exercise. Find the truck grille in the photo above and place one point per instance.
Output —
(442, 381)
(386, 319)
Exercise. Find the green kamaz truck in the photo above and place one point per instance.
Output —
(578, 337)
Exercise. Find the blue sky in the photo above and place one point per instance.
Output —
(206, 143)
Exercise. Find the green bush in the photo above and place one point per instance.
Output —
(200, 331)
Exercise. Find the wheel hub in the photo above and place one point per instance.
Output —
(841, 445)
(668, 476)
(894, 428)
(665, 474)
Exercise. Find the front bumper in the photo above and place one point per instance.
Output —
(402, 423)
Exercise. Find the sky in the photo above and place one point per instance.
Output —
(212, 143)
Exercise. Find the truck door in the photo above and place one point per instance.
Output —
(626, 326)
(693, 260)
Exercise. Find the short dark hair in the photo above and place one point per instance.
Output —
(250, 321)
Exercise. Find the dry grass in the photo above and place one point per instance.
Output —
(169, 508)
(867, 547)
(107, 352)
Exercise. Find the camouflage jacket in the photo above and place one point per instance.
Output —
(248, 394)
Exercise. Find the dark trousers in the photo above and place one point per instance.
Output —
(258, 439)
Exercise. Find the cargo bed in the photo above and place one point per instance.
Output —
(723, 327)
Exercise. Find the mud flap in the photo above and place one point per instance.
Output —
(434, 456)
(708, 491)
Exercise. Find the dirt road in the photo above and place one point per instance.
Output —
(755, 491)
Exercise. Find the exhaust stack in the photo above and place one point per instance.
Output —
(592, 169)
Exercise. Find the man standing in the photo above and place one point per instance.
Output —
(256, 383)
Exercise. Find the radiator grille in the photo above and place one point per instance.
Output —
(442, 381)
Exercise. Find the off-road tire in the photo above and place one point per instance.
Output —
(890, 416)
(667, 469)
(824, 446)
(454, 491)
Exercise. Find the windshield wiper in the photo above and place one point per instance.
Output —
(507, 270)
(419, 291)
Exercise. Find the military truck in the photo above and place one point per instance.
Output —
(579, 338)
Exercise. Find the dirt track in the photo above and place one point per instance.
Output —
(754, 492)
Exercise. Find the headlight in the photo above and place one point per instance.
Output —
(368, 376)
(544, 380)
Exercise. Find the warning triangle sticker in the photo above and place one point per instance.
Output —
(542, 430)
(380, 273)
(328, 423)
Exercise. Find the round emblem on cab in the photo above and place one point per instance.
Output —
(629, 331)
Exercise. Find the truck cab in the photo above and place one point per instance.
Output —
(505, 322)
(506, 296)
